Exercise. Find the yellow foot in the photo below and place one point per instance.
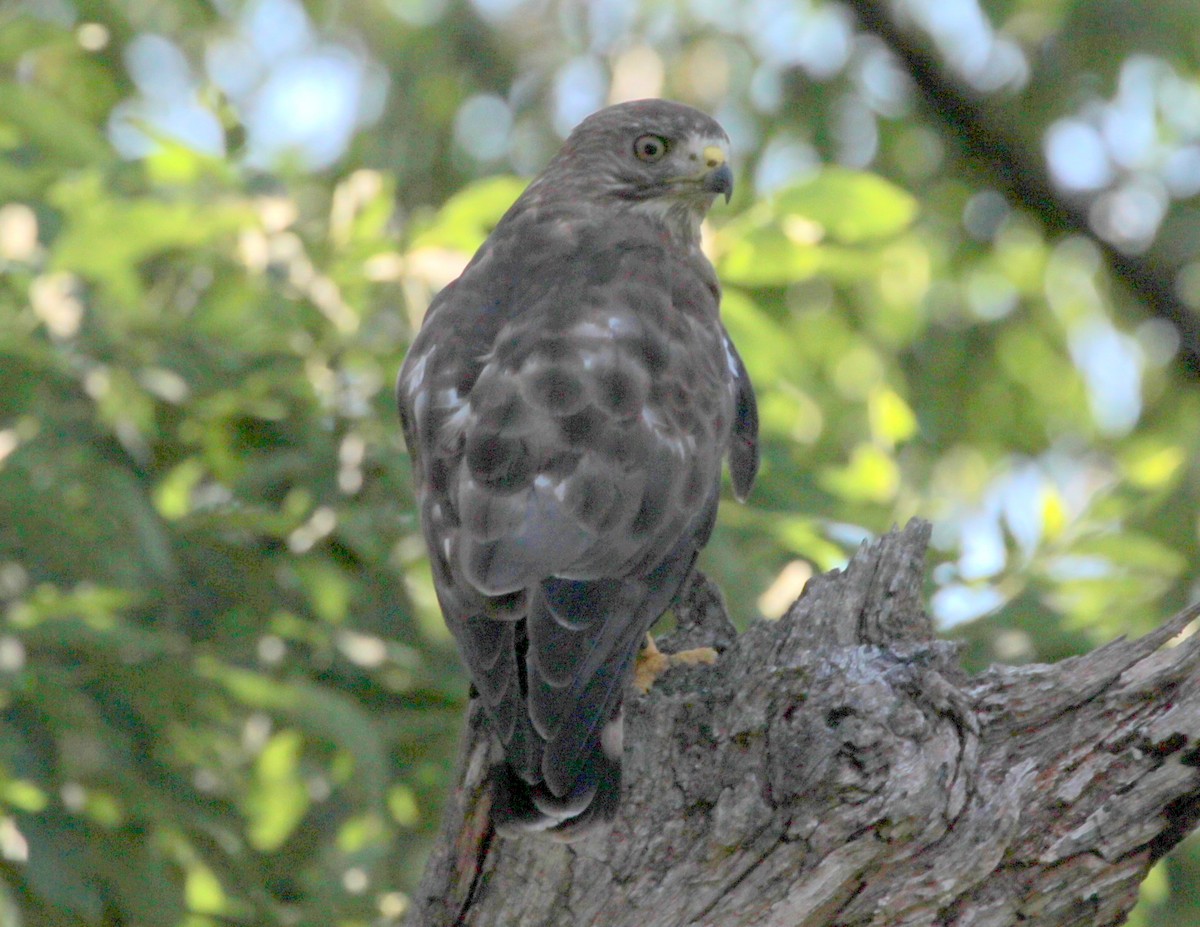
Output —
(652, 662)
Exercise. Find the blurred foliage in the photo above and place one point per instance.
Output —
(225, 692)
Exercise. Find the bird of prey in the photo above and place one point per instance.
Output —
(567, 404)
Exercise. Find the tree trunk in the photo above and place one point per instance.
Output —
(837, 767)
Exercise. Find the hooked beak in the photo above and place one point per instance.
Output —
(719, 178)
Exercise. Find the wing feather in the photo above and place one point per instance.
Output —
(743, 440)
(575, 689)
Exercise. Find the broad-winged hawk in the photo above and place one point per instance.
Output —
(567, 404)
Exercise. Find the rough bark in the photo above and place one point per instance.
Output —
(837, 767)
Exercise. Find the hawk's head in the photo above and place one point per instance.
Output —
(662, 158)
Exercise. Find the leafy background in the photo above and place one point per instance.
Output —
(963, 267)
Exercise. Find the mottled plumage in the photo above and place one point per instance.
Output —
(567, 404)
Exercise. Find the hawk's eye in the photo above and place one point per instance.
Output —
(650, 147)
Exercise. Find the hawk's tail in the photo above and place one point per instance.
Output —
(519, 807)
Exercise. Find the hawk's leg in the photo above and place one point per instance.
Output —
(652, 662)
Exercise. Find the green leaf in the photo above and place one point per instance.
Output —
(804, 536)
(870, 476)
(43, 120)
(106, 237)
(279, 798)
(317, 710)
(22, 182)
(58, 869)
(203, 891)
(762, 342)
(892, 420)
(764, 256)
(851, 206)
(22, 794)
(1134, 552)
(1151, 464)
(468, 216)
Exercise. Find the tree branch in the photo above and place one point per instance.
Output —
(837, 767)
(1022, 176)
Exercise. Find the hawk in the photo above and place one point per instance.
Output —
(567, 404)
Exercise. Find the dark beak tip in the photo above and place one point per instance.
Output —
(720, 181)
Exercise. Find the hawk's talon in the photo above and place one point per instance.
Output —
(652, 662)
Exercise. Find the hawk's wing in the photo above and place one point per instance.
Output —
(567, 404)
(743, 442)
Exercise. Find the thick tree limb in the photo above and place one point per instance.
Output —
(1021, 174)
(837, 768)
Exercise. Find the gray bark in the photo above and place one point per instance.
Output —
(837, 767)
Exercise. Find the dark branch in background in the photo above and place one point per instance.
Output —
(1022, 175)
